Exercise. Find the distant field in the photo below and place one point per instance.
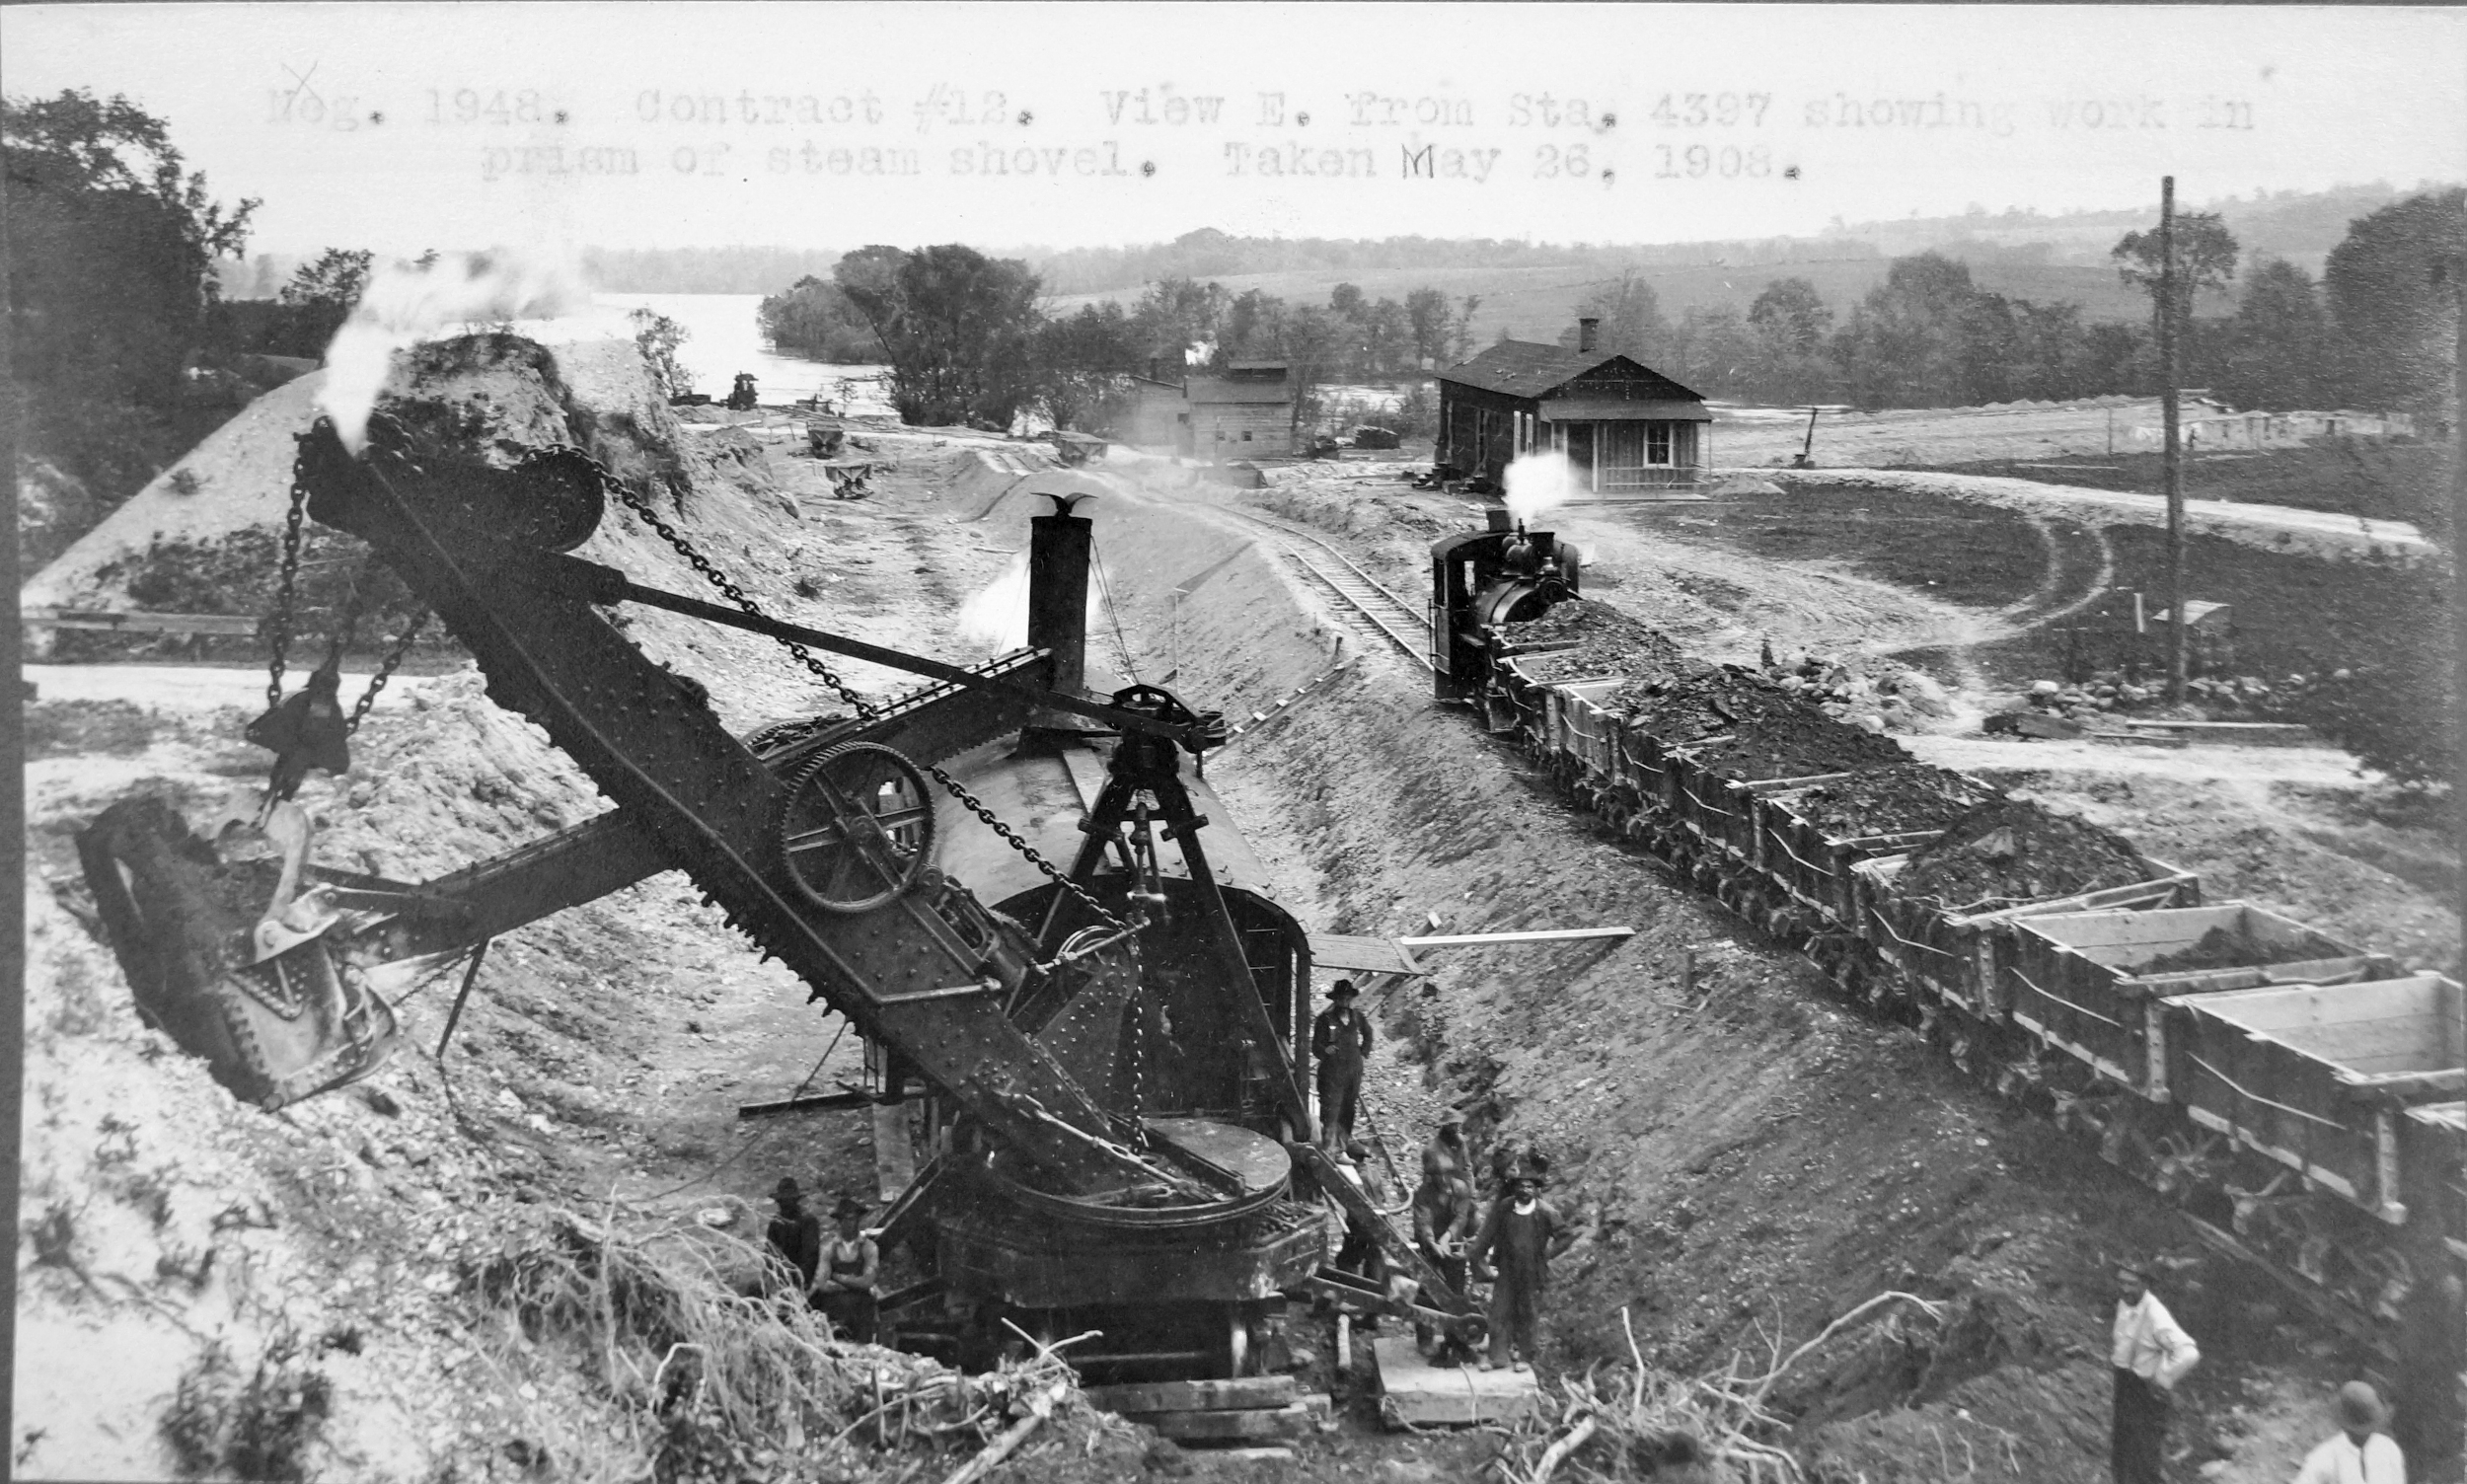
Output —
(1536, 303)
(2385, 482)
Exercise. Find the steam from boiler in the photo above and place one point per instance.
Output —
(1539, 483)
(406, 303)
(996, 620)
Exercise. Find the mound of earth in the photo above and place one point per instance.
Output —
(1607, 642)
(2016, 851)
(1896, 801)
(2224, 947)
(1787, 744)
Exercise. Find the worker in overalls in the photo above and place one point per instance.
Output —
(1340, 1042)
(1512, 1253)
(844, 1287)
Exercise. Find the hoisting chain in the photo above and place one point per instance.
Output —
(280, 628)
(285, 606)
(865, 709)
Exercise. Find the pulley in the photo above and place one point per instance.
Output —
(856, 830)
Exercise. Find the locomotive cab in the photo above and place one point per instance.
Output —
(1504, 575)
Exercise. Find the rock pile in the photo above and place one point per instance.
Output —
(2014, 850)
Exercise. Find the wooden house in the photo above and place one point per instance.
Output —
(1158, 413)
(1624, 427)
(1246, 412)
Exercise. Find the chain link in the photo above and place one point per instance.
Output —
(865, 709)
(385, 671)
(280, 628)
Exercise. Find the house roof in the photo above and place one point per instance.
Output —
(1240, 366)
(1216, 390)
(1521, 368)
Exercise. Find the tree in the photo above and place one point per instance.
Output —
(323, 294)
(1426, 312)
(1632, 321)
(111, 251)
(815, 317)
(2205, 256)
(2399, 329)
(110, 246)
(1792, 316)
(658, 337)
(1177, 314)
(955, 325)
(1347, 300)
(1080, 367)
(2276, 340)
(1460, 332)
(1902, 347)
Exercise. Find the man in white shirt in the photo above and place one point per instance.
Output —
(2359, 1455)
(2151, 1354)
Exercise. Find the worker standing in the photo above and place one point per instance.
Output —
(851, 1264)
(2152, 1353)
(1443, 1222)
(2359, 1453)
(1513, 1252)
(794, 1236)
(1340, 1042)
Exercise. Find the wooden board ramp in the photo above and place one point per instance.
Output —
(1245, 1410)
(1413, 1392)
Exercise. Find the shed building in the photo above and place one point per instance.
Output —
(1158, 413)
(1624, 427)
(1244, 412)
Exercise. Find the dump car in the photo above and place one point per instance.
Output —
(2090, 983)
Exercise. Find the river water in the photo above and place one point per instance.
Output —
(723, 340)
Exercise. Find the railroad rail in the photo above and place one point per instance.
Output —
(1361, 596)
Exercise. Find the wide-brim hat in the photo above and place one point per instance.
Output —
(1533, 1167)
(849, 1206)
(1451, 1118)
(1343, 989)
(786, 1190)
(2360, 1406)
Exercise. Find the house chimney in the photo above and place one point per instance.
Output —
(1588, 334)
(1057, 557)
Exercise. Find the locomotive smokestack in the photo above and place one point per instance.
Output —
(1058, 550)
(1588, 334)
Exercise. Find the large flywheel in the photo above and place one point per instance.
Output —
(857, 829)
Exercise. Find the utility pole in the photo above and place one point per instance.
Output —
(2171, 459)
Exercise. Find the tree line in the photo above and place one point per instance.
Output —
(968, 341)
(2375, 333)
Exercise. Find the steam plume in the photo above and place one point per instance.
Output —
(1538, 482)
(996, 620)
(406, 303)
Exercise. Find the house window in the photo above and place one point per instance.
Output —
(1657, 443)
(1246, 435)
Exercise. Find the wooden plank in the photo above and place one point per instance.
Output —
(1249, 1392)
(1343, 953)
(1297, 1419)
(141, 622)
(1413, 1392)
(1548, 935)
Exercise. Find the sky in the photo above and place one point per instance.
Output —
(403, 127)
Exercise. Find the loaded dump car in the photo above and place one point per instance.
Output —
(2299, 1097)
(1103, 1030)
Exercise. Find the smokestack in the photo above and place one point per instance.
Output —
(1058, 550)
(1588, 334)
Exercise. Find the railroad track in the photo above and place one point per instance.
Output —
(1362, 597)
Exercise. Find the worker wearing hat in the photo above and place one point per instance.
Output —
(1520, 1235)
(2152, 1353)
(1340, 1043)
(1446, 1156)
(795, 1234)
(850, 1265)
(2360, 1453)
